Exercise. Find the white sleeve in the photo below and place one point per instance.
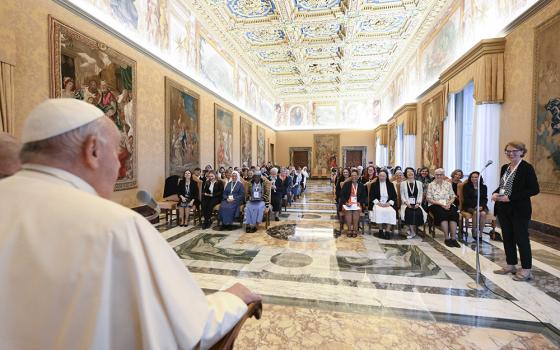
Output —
(225, 310)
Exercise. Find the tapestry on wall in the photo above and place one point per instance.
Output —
(182, 129)
(86, 69)
(326, 149)
(223, 137)
(261, 144)
(246, 142)
(546, 124)
(432, 133)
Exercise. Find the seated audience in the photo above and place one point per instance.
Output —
(257, 200)
(382, 204)
(211, 196)
(187, 190)
(398, 177)
(232, 198)
(353, 197)
(440, 199)
(412, 213)
(470, 195)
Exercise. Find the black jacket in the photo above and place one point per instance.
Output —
(347, 190)
(525, 185)
(375, 193)
(280, 187)
(469, 196)
(216, 194)
(193, 190)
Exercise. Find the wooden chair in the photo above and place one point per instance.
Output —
(227, 342)
(170, 200)
(466, 218)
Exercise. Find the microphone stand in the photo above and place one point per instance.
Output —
(476, 285)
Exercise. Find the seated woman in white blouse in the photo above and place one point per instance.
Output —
(382, 204)
(440, 200)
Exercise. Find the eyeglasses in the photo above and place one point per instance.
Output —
(438, 174)
(511, 151)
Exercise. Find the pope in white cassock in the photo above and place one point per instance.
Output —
(78, 271)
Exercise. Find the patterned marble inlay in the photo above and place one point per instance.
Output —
(413, 287)
(251, 8)
(291, 259)
(284, 327)
(204, 247)
(402, 260)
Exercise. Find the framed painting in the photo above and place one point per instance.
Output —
(545, 148)
(246, 142)
(432, 132)
(86, 69)
(182, 128)
(223, 137)
(325, 148)
(261, 144)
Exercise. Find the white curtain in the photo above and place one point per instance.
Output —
(378, 151)
(409, 151)
(381, 155)
(449, 161)
(486, 145)
(399, 145)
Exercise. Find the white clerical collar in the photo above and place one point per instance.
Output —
(60, 174)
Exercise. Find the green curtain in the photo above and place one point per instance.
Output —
(126, 76)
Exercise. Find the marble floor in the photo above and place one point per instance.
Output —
(322, 291)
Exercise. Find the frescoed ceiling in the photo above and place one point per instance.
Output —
(313, 49)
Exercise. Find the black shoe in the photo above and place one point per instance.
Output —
(223, 227)
(448, 243)
(276, 218)
(254, 229)
(455, 244)
(387, 235)
(247, 229)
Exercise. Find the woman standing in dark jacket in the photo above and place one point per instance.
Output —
(345, 174)
(353, 197)
(188, 197)
(470, 195)
(518, 183)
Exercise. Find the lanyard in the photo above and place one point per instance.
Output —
(354, 189)
(413, 187)
(233, 188)
(506, 178)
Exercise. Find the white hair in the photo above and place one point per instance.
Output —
(274, 170)
(66, 146)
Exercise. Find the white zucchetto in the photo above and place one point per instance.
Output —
(56, 116)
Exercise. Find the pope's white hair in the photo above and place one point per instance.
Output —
(66, 146)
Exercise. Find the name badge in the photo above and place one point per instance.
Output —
(256, 194)
(412, 201)
(353, 199)
(230, 197)
(502, 191)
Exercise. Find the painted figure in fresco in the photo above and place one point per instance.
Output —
(68, 88)
(90, 93)
(108, 104)
(296, 116)
(553, 106)
(332, 162)
(125, 12)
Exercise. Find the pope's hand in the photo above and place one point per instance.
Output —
(243, 293)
